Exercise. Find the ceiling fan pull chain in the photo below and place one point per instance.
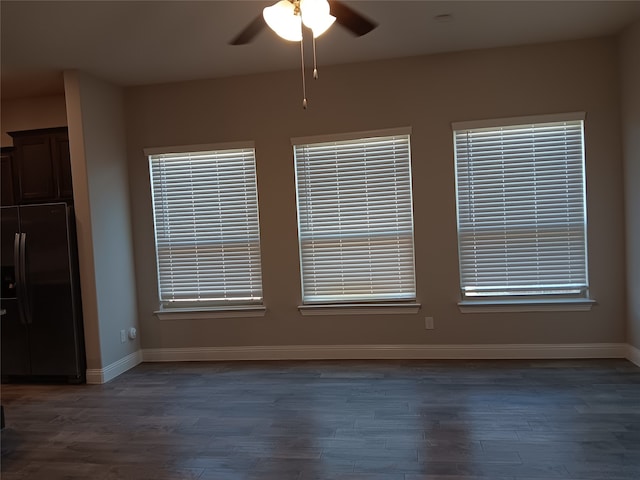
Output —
(315, 65)
(304, 86)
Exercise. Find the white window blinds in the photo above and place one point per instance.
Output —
(206, 223)
(521, 208)
(355, 219)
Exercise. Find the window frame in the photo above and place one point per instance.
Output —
(223, 307)
(575, 301)
(362, 305)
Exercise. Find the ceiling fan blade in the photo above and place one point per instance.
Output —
(350, 19)
(250, 31)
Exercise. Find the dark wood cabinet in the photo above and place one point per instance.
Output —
(34, 168)
(41, 166)
(7, 177)
(63, 164)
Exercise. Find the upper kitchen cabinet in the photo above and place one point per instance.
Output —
(41, 166)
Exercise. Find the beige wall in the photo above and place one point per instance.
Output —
(426, 93)
(630, 80)
(101, 189)
(31, 113)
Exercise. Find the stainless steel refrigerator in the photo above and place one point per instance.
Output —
(41, 322)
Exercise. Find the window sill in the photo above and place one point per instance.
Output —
(541, 305)
(211, 312)
(359, 309)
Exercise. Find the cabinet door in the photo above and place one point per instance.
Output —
(35, 170)
(62, 165)
(7, 177)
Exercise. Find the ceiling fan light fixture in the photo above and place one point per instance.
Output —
(321, 25)
(281, 18)
(316, 16)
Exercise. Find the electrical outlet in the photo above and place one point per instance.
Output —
(428, 323)
(123, 336)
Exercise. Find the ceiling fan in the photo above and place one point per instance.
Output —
(287, 17)
(286, 11)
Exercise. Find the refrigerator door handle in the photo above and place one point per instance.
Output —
(17, 261)
(23, 275)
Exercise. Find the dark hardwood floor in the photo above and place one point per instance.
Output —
(417, 420)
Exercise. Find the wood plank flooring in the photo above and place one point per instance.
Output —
(374, 420)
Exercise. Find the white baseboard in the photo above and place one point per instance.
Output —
(366, 352)
(386, 352)
(633, 355)
(111, 371)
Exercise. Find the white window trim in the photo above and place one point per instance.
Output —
(528, 305)
(337, 308)
(239, 311)
(359, 309)
(167, 312)
(497, 305)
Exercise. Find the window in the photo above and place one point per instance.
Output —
(355, 218)
(205, 210)
(521, 208)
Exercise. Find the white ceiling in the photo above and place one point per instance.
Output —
(145, 42)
